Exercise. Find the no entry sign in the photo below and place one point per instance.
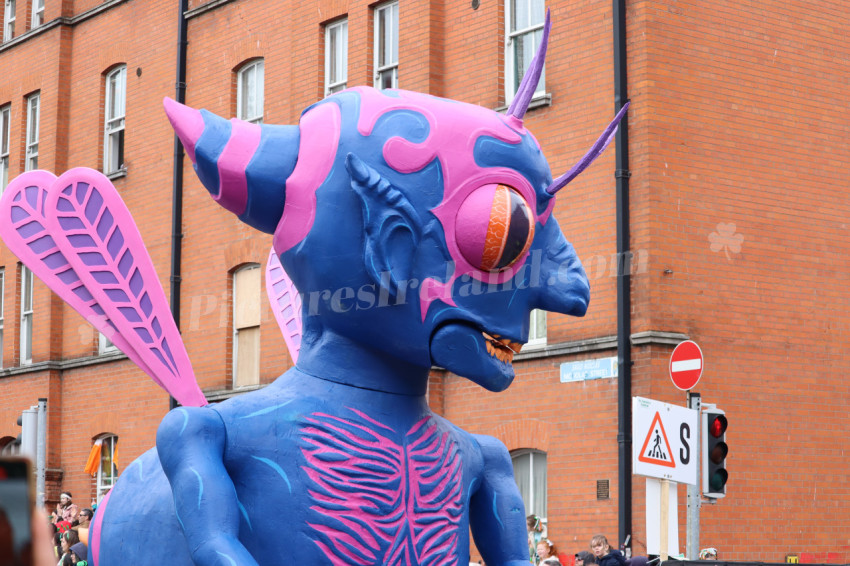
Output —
(686, 365)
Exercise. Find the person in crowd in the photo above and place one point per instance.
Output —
(66, 510)
(709, 553)
(536, 531)
(84, 523)
(584, 558)
(546, 550)
(68, 539)
(604, 554)
(80, 552)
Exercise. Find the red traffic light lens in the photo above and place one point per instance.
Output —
(717, 426)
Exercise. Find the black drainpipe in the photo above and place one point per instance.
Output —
(624, 321)
(177, 183)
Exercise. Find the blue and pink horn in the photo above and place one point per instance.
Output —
(244, 166)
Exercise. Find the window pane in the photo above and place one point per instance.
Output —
(4, 144)
(394, 34)
(382, 37)
(246, 92)
(522, 475)
(26, 278)
(539, 483)
(32, 126)
(538, 12)
(259, 92)
(333, 58)
(342, 67)
(519, 14)
(247, 300)
(247, 371)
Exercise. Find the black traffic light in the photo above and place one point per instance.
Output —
(714, 452)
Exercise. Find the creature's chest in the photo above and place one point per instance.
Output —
(364, 492)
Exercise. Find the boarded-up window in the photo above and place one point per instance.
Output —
(246, 326)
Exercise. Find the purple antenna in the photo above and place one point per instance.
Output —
(532, 76)
(595, 151)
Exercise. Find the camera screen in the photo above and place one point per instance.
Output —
(15, 514)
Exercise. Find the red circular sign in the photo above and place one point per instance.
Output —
(686, 365)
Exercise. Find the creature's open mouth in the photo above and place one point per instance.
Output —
(501, 348)
(460, 346)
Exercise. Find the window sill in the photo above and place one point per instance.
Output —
(539, 101)
(117, 174)
(532, 346)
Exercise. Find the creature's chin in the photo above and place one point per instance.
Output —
(478, 356)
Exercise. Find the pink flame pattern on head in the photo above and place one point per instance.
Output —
(454, 129)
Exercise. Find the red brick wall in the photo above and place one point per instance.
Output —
(738, 117)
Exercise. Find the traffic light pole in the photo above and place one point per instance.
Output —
(694, 499)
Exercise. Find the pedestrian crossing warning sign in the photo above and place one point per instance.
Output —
(665, 441)
(656, 448)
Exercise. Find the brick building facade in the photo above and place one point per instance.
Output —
(739, 229)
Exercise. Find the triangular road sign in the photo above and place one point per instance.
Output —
(653, 451)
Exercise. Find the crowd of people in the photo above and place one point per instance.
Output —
(542, 551)
(70, 527)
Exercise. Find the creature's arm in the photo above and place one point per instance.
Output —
(496, 510)
(190, 442)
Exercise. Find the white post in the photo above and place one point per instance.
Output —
(41, 453)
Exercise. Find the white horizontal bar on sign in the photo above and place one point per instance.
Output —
(686, 365)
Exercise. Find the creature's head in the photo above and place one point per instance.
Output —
(415, 226)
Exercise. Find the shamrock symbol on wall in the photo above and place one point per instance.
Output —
(726, 239)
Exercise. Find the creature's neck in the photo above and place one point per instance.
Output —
(336, 358)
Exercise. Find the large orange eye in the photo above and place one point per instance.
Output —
(494, 227)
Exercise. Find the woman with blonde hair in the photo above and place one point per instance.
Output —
(605, 555)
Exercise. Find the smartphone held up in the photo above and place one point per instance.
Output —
(16, 511)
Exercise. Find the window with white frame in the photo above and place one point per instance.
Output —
(113, 131)
(249, 92)
(246, 325)
(33, 112)
(530, 476)
(26, 315)
(5, 114)
(536, 330)
(386, 46)
(2, 304)
(336, 56)
(107, 471)
(524, 31)
(37, 13)
(9, 21)
(105, 345)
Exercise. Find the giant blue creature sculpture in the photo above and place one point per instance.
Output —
(418, 232)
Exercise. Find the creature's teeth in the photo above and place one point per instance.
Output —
(501, 349)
